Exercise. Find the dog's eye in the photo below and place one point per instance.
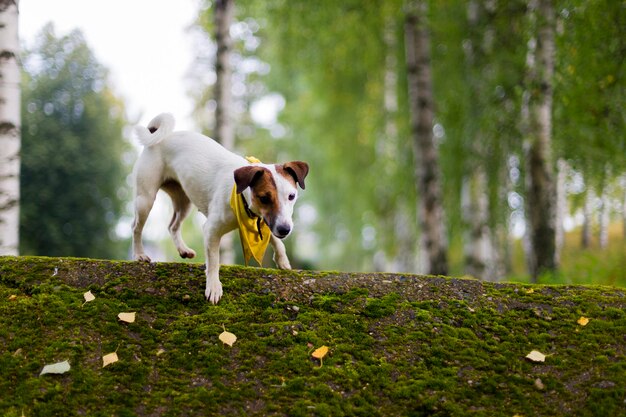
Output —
(265, 199)
(292, 197)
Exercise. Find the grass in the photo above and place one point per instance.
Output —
(399, 344)
(582, 266)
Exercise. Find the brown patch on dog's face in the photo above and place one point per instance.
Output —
(263, 187)
(265, 197)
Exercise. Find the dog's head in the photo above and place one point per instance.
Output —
(274, 192)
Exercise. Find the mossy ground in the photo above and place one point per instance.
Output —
(399, 344)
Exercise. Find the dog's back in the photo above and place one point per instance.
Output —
(200, 165)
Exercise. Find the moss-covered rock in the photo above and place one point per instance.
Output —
(399, 344)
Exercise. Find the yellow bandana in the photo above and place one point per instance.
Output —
(254, 233)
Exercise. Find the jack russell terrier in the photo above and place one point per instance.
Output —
(192, 168)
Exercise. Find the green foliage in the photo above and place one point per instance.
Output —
(73, 176)
(340, 64)
(590, 89)
(399, 345)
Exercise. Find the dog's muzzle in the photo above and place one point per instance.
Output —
(282, 231)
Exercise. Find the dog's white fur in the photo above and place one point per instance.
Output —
(192, 168)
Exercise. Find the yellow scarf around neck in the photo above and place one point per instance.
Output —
(254, 233)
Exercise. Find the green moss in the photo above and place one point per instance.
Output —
(399, 345)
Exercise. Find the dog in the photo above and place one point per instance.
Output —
(194, 169)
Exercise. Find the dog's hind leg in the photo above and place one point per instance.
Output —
(182, 207)
(143, 205)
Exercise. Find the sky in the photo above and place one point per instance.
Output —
(147, 48)
(144, 44)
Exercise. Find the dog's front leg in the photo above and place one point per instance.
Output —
(213, 291)
(280, 253)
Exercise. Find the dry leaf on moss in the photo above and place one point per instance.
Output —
(12, 297)
(109, 359)
(227, 337)
(536, 356)
(319, 353)
(583, 321)
(127, 317)
(89, 296)
(56, 368)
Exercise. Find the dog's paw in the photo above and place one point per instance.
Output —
(142, 258)
(213, 291)
(282, 262)
(187, 253)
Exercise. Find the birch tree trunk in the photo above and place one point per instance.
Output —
(623, 181)
(603, 217)
(405, 258)
(224, 129)
(561, 206)
(10, 125)
(479, 250)
(224, 132)
(586, 230)
(426, 153)
(537, 126)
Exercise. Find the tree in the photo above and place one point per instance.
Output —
(73, 178)
(426, 155)
(537, 121)
(10, 129)
(224, 132)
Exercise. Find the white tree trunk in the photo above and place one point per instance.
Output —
(479, 251)
(10, 125)
(224, 131)
(537, 128)
(624, 206)
(587, 208)
(561, 206)
(419, 76)
(603, 221)
(405, 257)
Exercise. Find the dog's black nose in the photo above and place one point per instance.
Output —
(283, 230)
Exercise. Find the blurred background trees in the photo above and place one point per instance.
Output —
(328, 82)
(73, 176)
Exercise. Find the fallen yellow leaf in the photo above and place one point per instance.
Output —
(109, 359)
(127, 317)
(12, 297)
(227, 338)
(89, 296)
(536, 356)
(319, 353)
(583, 321)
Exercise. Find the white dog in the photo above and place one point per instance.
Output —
(192, 168)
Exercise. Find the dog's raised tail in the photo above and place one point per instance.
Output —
(157, 129)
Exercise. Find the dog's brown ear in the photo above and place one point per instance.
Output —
(298, 170)
(246, 176)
